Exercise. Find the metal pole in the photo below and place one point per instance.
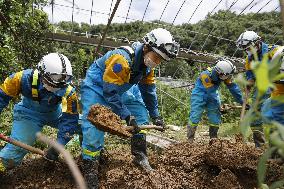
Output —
(106, 29)
(282, 13)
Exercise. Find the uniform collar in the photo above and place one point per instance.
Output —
(214, 75)
(138, 64)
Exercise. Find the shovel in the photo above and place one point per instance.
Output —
(22, 145)
(244, 105)
(105, 120)
(144, 127)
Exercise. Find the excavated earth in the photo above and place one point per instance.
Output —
(105, 120)
(219, 164)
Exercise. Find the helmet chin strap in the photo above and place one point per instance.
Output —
(64, 72)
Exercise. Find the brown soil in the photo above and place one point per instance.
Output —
(104, 119)
(219, 164)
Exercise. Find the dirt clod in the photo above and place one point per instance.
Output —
(104, 119)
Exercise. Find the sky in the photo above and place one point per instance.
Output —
(102, 8)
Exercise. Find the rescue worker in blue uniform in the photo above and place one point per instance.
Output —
(273, 108)
(250, 42)
(47, 99)
(205, 96)
(106, 82)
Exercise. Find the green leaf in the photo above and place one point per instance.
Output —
(280, 128)
(245, 124)
(262, 75)
(264, 186)
(277, 141)
(274, 67)
(277, 184)
(278, 77)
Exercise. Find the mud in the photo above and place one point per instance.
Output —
(219, 164)
(104, 119)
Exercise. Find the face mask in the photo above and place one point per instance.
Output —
(49, 88)
(149, 63)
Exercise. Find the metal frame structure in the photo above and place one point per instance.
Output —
(113, 42)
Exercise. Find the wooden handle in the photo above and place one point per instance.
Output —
(22, 145)
(145, 127)
(244, 105)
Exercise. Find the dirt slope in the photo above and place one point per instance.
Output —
(219, 164)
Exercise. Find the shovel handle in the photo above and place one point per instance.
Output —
(22, 145)
(145, 127)
(244, 105)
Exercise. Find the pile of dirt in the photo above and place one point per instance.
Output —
(219, 164)
(38, 173)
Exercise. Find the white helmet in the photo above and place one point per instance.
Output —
(225, 68)
(161, 41)
(247, 39)
(55, 70)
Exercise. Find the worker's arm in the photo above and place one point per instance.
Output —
(10, 89)
(207, 82)
(68, 123)
(250, 77)
(234, 90)
(147, 88)
(117, 73)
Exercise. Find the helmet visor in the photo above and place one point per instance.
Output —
(171, 49)
(57, 80)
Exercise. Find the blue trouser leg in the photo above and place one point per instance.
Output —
(93, 138)
(213, 112)
(278, 111)
(24, 129)
(214, 116)
(197, 106)
(273, 110)
(266, 111)
(257, 122)
(134, 102)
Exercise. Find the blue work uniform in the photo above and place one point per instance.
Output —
(121, 81)
(273, 109)
(38, 107)
(205, 96)
(265, 49)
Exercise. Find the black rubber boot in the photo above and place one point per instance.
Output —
(90, 170)
(51, 154)
(213, 132)
(138, 149)
(191, 132)
(258, 138)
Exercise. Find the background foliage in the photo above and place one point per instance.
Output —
(22, 39)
